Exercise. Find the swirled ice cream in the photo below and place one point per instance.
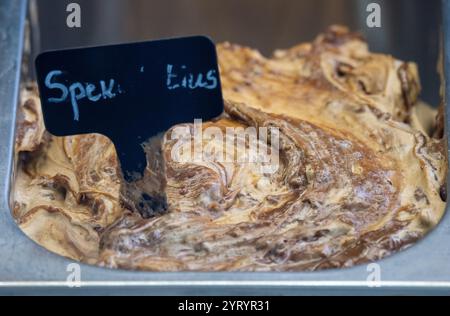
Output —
(358, 177)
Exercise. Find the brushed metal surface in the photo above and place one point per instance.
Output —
(26, 268)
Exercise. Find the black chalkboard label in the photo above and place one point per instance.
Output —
(129, 92)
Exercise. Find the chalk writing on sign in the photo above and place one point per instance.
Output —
(179, 77)
(78, 91)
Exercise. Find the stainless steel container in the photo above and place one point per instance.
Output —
(26, 267)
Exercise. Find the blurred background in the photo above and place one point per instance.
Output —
(410, 28)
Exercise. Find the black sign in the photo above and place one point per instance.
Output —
(129, 92)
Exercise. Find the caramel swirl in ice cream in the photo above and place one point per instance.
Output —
(358, 178)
